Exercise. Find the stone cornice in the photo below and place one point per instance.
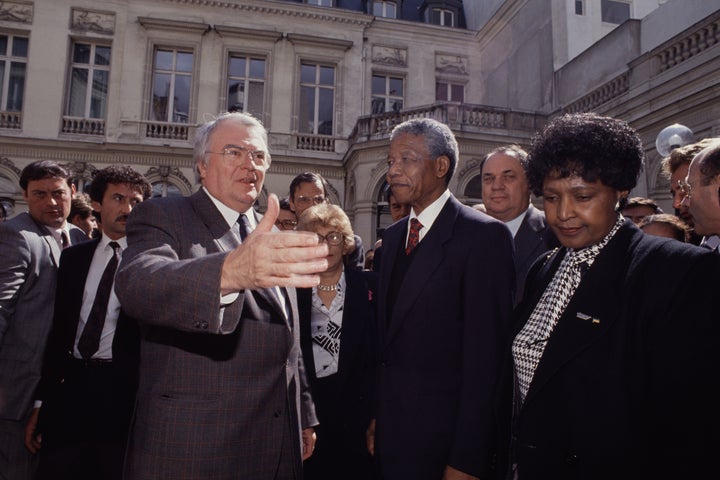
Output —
(95, 154)
(269, 7)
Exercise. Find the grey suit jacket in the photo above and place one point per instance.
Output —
(532, 239)
(29, 256)
(220, 387)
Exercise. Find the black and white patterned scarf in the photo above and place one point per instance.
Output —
(529, 344)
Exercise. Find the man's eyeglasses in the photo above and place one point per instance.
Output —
(685, 188)
(235, 155)
(316, 200)
(332, 238)
(287, 224)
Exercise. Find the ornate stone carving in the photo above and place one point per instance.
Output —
(91, 21)
(396, 57)
(451, 64)
(10, 165)
(165, 172)
(19, 12)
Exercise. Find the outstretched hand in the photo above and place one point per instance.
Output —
(270, 258)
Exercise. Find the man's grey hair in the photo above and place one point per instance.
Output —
(202, 136)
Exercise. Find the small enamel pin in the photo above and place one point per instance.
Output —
(583, 316)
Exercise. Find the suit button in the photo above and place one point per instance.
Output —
(571, 459)
(385, 364)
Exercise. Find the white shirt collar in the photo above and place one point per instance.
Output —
(229, 214)
(514, 224)
(428, 216)
(105, 241)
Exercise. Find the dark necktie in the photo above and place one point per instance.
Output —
(414, 236)
(244, 226)
(90, 337)
(64, 239)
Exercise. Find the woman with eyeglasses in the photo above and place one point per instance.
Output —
(614, 346)
(337, 337)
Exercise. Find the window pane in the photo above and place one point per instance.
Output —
(163, 60)
(237, 67)
(307, 110)
(20, 47)
(378, 85)
(441, 90)
(102, 55)
(578, 7)
(3, 44)
(435, 17)
(99, 93)
(16, 87)
(161, 90)
(236, 95)
(390, 10)
(255, 99)
(81, 53)
(307, 73)
(378, 105)
(378, 9)
(325, 115)
(184, 62)
(474, 187)
(447, 19)
(457, 93)
(181, 100)
(396, 105)
(327, 76)
(78, 89)
(615, 12)
(257, 68)
(396, 86)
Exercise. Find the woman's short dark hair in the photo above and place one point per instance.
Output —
(589, 146)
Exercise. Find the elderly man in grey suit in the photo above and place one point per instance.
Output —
(30, 246)
(506, 196)
(222, 391)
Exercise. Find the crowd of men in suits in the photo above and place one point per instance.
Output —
(208, 332)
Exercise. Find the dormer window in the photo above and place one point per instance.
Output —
(385, 9)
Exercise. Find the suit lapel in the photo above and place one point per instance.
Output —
(81, 259)
(354, 314)
(226, 240)
(590, 314)
(427, 259)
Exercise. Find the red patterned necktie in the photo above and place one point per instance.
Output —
(414, 236)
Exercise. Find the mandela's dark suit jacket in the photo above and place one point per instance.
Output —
(440, 344)
(221, 387)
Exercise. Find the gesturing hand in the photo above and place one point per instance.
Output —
(267, 259)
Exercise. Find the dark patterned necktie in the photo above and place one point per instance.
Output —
(64, 239)
(244, 226)
(414, 236)
(90, 337)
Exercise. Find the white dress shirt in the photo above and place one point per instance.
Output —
(103, 254)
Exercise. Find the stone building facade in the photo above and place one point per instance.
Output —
(96, 82)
